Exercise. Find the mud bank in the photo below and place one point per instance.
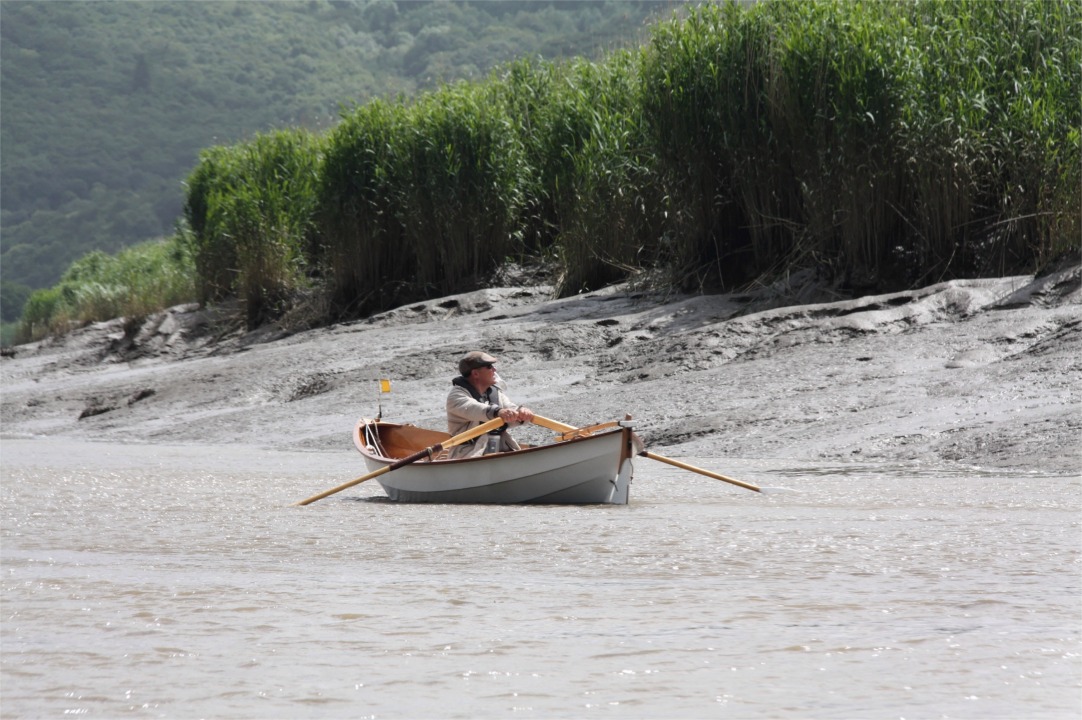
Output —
(979, 373)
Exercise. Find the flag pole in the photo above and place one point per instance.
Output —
(384, 387)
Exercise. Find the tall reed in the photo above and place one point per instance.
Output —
(884, 144)
(419, 200)
(704, 105)
(252, 209)
(214, 253)
(525, 89)
(991, 127)
(590, 202)
(887, 143)
(612, 214)
(462, 187)
(834, 77)
(359, 202)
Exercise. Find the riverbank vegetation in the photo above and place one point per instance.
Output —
(132, 284)
(107, 104)
(884, 145)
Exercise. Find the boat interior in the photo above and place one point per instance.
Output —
(399, 441)
(391, 440)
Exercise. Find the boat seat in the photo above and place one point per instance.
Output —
(402, 441)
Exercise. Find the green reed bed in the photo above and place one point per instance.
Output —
(462, 188)
(419, 200)
(251, 209)
(524, 90)
(884, 144)
(704, 105)
(215, 254)
(610, 211)
(889, 143)
(590, 206)
(356, 210)
(138, 281)
(991, 128)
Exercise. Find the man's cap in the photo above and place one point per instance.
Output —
(473, 360)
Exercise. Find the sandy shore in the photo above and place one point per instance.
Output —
(981, 373)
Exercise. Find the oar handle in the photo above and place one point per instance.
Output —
(427, 452)
(465, 437)
(552, 424)
(570, 432)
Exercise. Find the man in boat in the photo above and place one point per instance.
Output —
(476, 397)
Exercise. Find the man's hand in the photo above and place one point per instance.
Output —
(520, 415)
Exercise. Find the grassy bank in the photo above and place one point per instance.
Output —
(132, 284)
(883, 144)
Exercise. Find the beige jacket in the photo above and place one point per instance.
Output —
(464, 411)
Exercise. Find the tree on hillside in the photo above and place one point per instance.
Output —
(107, 104)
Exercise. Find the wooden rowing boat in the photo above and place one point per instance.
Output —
(581, 468)
(584, 466)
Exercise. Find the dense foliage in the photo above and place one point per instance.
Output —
(883, 144)
(131, 284)
(261, 197)
(108, 104)
(895, 143)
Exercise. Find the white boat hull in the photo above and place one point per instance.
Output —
(587, 470)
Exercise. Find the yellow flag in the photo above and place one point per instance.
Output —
(385, 386)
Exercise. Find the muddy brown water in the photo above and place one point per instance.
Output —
(177, 581)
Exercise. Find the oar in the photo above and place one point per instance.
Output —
(692, 468)
(427, 452)
(556, 425)
(584, 431)
(561, 427)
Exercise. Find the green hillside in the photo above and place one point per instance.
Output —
(878, 145)
(106, 105)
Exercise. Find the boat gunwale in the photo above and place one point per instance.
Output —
(363, 448)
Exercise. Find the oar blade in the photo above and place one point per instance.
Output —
(641, 450)
(343, 486)
(707, 473)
